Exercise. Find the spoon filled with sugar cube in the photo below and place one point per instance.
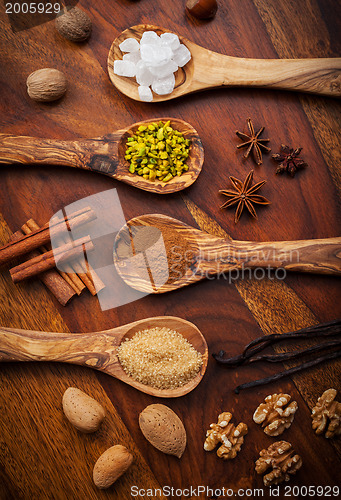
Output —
(151, 64)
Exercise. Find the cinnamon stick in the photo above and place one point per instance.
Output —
(47, 260)
(62, 291)
(69, 275)
(43, 235)
(98, 283)
(79, 269)
(83, 271)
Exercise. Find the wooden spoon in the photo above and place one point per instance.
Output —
(98, 349)
(191, 255)
(104, 155)
(209, 69)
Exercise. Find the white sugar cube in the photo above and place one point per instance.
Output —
(164, 86)
(163, 70)
(143, 75)
(129, 45)
(133, 57)
(181, 56)
(124, 68)
(147, 53)
(170, 39)
(145, 93)
(154, 55)
(150, 37)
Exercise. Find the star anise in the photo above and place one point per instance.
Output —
(253, 143)
(289, 161)
(244, 195)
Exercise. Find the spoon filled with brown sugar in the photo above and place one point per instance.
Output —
(155, 254)
(105, 155)
(99, 350)
(208, 69)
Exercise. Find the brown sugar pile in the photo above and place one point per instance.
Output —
(159, 357)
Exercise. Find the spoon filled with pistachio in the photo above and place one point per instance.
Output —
(162, 155)
(206, 69)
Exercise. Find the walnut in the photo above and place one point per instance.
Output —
(326, 415)
(275, 414)
(226, 433)
(283, 461)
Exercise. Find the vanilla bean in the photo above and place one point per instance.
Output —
(323, 329)
(291, 371)
(285, 356)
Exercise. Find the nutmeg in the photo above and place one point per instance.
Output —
(73, 24)
(202, 9)
(46, 85)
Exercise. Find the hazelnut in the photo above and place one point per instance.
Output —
(73, 24)
(202, 9)
(46, 84)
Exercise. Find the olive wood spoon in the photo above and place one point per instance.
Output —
(104, 155)
(208, 69)
(206, 255)
(98, 349)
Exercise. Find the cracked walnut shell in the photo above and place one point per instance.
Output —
(226, 433)
(326, 415)
(281, 458)
(275, 414)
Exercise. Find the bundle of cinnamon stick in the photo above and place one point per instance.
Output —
(34, 242)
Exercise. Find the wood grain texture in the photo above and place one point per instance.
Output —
(208, 69)
(323, 115)
(229, 316)
(104, 155)
(99, 349)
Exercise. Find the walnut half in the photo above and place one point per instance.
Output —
(226, 433)
(281, 458)
(275, 414)
(326, 415)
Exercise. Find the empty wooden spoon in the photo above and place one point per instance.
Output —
(209, 69)
(104, 155)
(98, 349)
(183, 255)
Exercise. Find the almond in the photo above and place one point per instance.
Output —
(84, 412)
(111, 465)
(163, 429)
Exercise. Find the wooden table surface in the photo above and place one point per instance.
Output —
(41, 455)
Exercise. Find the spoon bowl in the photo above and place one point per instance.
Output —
(98, 350)
(155, 254)
(104, 155)
(128, 86)
(208, 69)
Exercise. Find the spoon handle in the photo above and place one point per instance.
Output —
(91, 154)
(317, 76)
(321, 256)
(91, 349)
